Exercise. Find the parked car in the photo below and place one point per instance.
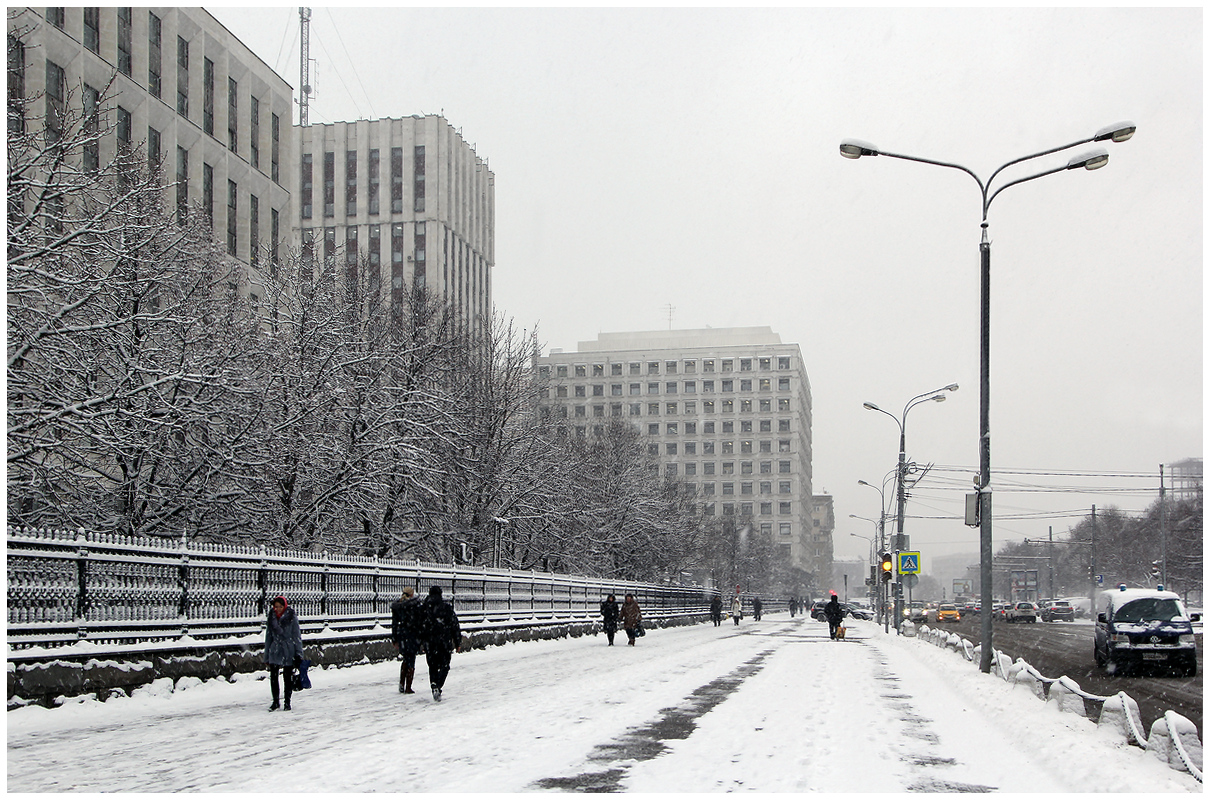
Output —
(1022, 612)
(857, 612)
(1143, 627)
(817, 610)
(948, 612)
(1054, 610)
(915, 612)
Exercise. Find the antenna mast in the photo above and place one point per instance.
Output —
(304, 32)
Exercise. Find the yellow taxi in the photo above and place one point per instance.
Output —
(948, 612)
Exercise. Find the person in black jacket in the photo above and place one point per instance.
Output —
(756, 607)
(407, 628)
(716, 610)
(833, 612)
(611, 614)
(283, 648)
(442, 636)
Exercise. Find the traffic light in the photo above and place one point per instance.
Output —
(888, 567)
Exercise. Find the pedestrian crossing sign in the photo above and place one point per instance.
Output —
(909, 563)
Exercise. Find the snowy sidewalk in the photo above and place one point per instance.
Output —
(769, 706)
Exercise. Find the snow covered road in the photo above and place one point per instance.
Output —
(769, 706)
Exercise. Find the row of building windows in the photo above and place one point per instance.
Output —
(672, 387)
(728, 487)
(728, 467)
(92, 40)
(373, 182)
(688, 408)
(688, 367)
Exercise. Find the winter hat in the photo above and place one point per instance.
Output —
(409, 592)
(279, 597)
(435, 591)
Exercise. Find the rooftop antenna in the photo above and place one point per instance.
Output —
(304, 33)
(669, 308)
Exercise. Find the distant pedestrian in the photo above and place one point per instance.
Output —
(716, 609)
(407, 629)
(756, 607)
(610, 614)
(283, 648)
(442, 637)
(833, 612)
(632, 618)
(793, 606)
(737, 608)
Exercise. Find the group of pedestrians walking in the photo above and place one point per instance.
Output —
(429, 626)
(629, 615)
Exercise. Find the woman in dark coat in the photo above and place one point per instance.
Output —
(610, 614)
(631, 617)
(716, 610)
(283, 648)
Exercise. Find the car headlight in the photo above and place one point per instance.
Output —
(1187, 639)
(1119, 639)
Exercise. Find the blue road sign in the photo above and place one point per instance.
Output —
(909, 563)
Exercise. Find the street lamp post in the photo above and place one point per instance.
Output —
(880, 526)
(852, 148)
(870, 593)
(933, 396)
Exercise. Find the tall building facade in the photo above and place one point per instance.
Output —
(407, 199)
(209, 113)
(726, 411)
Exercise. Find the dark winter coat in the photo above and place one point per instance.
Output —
(716, 607)
(441, 629)
(407, 623)
(610, 613)
(833, 611)
(631, 615)
(283, 639)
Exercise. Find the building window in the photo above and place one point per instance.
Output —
(418, 179)
(372, 183)
(728, 386)
(783, 467)
(636, 368)
(254, 132)
(232, 239)
(783, 445)
(351, 257)
(397, 258)
(350, 183)
(274, 233)
(653, 409)
(92, 147)
(707, 406)
(275, 147)
(57, 16)
(745, 365)
(329, 184)
(92, 29)
(232, 115)
(254, 230)
(305, 186)
(208, 96)
(153, 150)
(784, 528)
(783, 362)
(653, 368)
(670, 448)
(708, 387)
(56, 89)
(396, 180)
(182, 77)
(783, 487)
(124, 24)
(375, 254)
(783, 384)
(208, 194)
(766, 364)
(182, 185)
(783, 404)
(16, 88)
(690, 386)
(153, 54)
(670, 387)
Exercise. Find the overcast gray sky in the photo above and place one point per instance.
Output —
(688, 157)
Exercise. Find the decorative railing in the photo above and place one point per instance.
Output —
(71, 586)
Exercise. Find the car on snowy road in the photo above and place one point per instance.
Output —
(1022, 612)
(1054, 610)
(948, 612)
(1144, 628)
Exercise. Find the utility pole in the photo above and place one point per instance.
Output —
(304, 73)
(1092, 569)
(1163, 533)
(1050, 563)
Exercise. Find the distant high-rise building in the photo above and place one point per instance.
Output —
(726, 411)
(1186, 478)
(407, 199)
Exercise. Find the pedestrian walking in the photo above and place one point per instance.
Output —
(833, 612)
(442, 637)
(756, 607)
(793, 606)
(632, 618)
(716, 609)
(283, 649)
(407, 627)
(611, 614)
(737, 608)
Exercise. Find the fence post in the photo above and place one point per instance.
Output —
(323, 591)
(183, 580)
(81, 585)
(262, 582)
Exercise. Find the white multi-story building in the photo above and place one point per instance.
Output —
(408, 199)
(210, 114)
(727, 411)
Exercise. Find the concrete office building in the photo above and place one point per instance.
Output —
(727, 411)
(206, 109)
(407, 199)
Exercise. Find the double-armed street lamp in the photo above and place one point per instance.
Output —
(932, 396)
(853, 148)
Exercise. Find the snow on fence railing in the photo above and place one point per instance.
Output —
(1173, 738)
(69, 586)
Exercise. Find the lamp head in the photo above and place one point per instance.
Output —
(1094, 159)
(1117, 133)
(855, 148)
(953, 387)
(870, 406)
(940, 398)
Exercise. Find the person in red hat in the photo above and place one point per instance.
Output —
(283, 648)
